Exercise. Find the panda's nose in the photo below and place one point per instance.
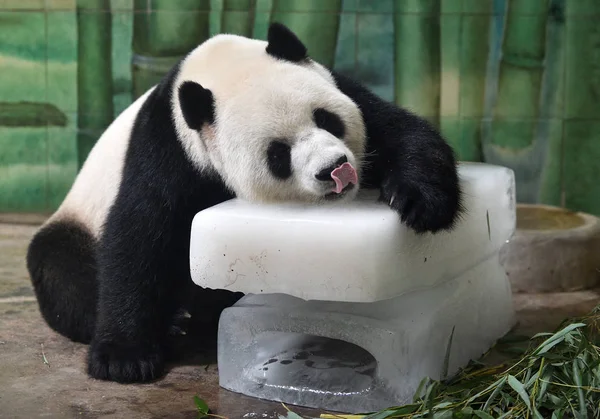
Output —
(325, 174)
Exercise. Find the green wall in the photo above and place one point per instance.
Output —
(512, 82)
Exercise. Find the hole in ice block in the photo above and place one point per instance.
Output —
(294, 361)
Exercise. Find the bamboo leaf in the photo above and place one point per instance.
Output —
(482, 415)
(499, 382)
(505, 415)
(554, 357)
(422, 385)
(577, 377)
(495, 393)
(406, 410)
(541, 334)
(430, 398)
(532, 380)
(556, 400)
(520, 389)
(201, 406)
(467, 412)
(545, 383)
(556, 338)
(446, 414)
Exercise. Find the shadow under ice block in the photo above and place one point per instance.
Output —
(346, 309)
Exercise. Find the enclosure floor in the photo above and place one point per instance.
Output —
(61, 389)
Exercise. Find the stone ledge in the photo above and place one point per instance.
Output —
(553, 250)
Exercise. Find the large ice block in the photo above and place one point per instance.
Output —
(357, 252)
(347, 309)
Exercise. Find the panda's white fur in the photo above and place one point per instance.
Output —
(95, 187)
(236, 117)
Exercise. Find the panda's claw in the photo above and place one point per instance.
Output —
(125, 363)
(423, 207)
(182, 313)
(176, 331)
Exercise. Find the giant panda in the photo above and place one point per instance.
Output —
(236, 117)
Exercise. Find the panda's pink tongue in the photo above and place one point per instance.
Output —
(343, 176)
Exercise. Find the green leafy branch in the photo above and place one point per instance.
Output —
(556, 376)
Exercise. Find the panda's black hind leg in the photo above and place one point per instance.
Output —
(62, 267)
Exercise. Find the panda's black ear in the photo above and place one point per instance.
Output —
(284, 44)
(197, 104)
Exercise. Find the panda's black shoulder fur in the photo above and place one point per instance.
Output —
(408, 159)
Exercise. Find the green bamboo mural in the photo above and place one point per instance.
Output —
(519, 94)
(474, 48)
(509, 82)
(163, 33)
(450, 64)
(238, 17)
(94, 73)
(582, 110)
(417, 56)
(549, 136)
(316, 22)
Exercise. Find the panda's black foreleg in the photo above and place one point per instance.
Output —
(409, 161)
(142, 261)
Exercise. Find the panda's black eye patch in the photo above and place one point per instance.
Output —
(330, 122)
(279, 159)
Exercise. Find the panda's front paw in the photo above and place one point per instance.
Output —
(111, 361)
(427, 205)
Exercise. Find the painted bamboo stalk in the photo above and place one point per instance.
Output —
(474, 50)
(316, 22)
(163, 32)
(94, 73)
(549, 136)
(417, 56)
(450, 64)
(582, 107)
(519, 93)
(238, 17)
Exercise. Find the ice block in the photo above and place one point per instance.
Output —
(347, 309)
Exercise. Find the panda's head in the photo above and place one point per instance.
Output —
(268, 119)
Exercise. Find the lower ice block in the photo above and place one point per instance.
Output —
(346, 309)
